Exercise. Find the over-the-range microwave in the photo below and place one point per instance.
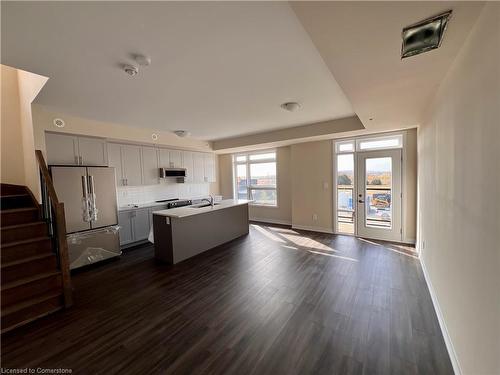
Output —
(178, 173)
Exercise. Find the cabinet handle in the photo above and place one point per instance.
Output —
(77, 160)
(81, 160)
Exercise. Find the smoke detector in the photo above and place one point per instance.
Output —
(130, 70)
(59, 122)
(290, 106)
(425, 35)
(181, 133)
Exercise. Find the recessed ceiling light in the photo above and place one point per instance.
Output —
(181, 133)
(290, 106)
(59, 122)
(425, 35)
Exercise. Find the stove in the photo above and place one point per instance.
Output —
(180, 203)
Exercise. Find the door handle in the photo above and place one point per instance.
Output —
(93, 208)
(85, 199)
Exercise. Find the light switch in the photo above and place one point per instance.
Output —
(325, 185)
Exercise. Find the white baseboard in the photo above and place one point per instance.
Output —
(313, 229)
(447, 339)
(271, 221)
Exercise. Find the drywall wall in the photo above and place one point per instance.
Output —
(12, 140)
(282, 214)
(459, 200)
(311, 178)
(305, 177)
(409, 187)
(296, 134)
(19, 89)
(43, 121)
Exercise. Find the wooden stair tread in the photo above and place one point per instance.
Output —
(32, 223)
(17, 210)
(29, 302)
(26, 280)
(23, 242)
(26, 260)
(15, 195)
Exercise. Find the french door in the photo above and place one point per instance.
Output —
(378, 195)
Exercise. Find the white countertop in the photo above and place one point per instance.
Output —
(141, 205)
(190, 210)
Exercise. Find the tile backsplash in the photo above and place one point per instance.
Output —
(145, 194)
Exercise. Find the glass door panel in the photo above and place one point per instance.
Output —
(345, 193)
(379, 195)
(378, 192)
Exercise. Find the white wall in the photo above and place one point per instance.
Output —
(459, 199)
(281, 214)
(19, 89)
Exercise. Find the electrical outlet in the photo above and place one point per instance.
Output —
(315, 217)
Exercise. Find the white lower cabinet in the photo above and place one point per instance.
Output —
(141, 224)
(136, 224)
(126, 228)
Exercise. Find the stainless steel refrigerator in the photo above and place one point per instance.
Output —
(90, 207)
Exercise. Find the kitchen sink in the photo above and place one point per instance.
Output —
(204, 205)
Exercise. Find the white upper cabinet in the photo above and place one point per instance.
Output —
(175, 159)
(150, 174)
(115, 161)
(209, 168)
(65, 149)
(198, 167)
(132, 164)
(163, 158)
(170, 158)
(92, 151)
(187, 162)
(61, 149)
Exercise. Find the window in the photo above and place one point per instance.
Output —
(255, 177)
(386, 142)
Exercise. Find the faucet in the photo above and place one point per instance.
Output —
(209, 200)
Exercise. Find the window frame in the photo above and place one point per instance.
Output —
(247, 163)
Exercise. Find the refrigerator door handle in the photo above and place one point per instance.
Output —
(93, 208)
(85, 200)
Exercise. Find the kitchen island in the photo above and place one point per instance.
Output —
(181, 233)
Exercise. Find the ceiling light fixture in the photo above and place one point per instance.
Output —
(59, 122)
(181, 133)
(425, 35)
(130, 70)
(142, 60)
(290, 106)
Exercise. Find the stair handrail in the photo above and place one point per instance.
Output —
(59, 226)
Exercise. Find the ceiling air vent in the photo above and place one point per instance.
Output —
(425, 35)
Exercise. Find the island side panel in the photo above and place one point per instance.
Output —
(195, 234)
(163, 238)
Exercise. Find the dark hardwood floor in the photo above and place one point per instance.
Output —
(277, 301)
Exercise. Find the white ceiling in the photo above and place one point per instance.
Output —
(218, 69)
(361, 43)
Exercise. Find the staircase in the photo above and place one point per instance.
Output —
(31, 276)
